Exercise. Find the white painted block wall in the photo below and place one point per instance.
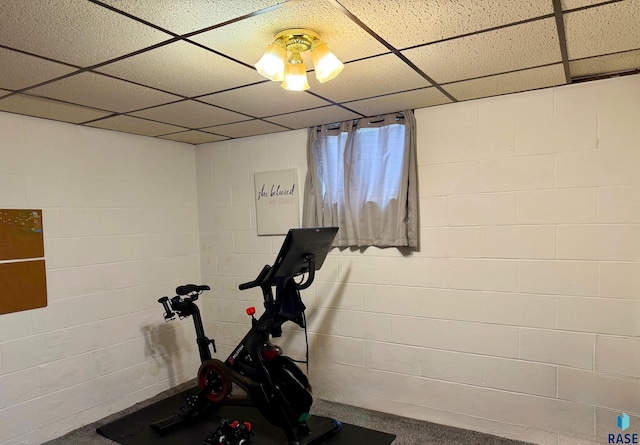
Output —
(520, 314)
(121, 230)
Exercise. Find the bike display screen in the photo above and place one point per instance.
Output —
(300, 243)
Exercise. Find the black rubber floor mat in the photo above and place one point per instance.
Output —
(134, 428)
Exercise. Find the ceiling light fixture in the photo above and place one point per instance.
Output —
(282, 61)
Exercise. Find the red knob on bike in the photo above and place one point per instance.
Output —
(251, 311)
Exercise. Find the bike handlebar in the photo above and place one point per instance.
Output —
(264, 277)
(260, 279)
(312, 273)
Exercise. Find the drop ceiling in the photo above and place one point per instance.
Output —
(183, 69)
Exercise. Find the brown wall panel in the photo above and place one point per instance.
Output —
(21, 234)
(23, 285)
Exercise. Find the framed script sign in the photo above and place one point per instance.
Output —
(276, 194)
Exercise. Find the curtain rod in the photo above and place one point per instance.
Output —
(399, 115)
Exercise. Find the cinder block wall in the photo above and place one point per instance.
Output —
(121, 230)
(520, 314)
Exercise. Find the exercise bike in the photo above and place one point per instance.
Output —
(266, 378)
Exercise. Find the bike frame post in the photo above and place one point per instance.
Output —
(201, 339)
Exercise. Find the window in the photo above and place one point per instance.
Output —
(362, 178)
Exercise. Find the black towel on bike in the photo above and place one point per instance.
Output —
(288, 298)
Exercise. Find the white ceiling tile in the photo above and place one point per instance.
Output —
(18, 70)
(246, 128)
(49, 109)
(506, 49)
(318, 116)
(422, 98)
(414, 22)
(246, 40)
(190, 15)
(190, 114)
(130, 124)
(251, 100)
(508, 46)
(530, 79)
(194, 70)
(574, 4)
(103, 92)
(603, 30)
(194, 137)
(74, 31)
(368, 78)
(613, 63)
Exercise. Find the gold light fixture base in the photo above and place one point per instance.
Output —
(282, 61)
(297, 40)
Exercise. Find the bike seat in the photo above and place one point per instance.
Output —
(189, 288)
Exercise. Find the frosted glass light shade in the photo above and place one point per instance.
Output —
(326, 64)
(272, 63)
(295, 77)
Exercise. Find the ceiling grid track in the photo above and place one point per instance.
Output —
(562, 38)
(187, 73)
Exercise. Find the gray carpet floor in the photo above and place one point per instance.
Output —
(407, 431)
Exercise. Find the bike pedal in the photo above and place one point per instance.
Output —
(230, 433)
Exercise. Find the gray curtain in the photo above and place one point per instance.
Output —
(362, 178)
